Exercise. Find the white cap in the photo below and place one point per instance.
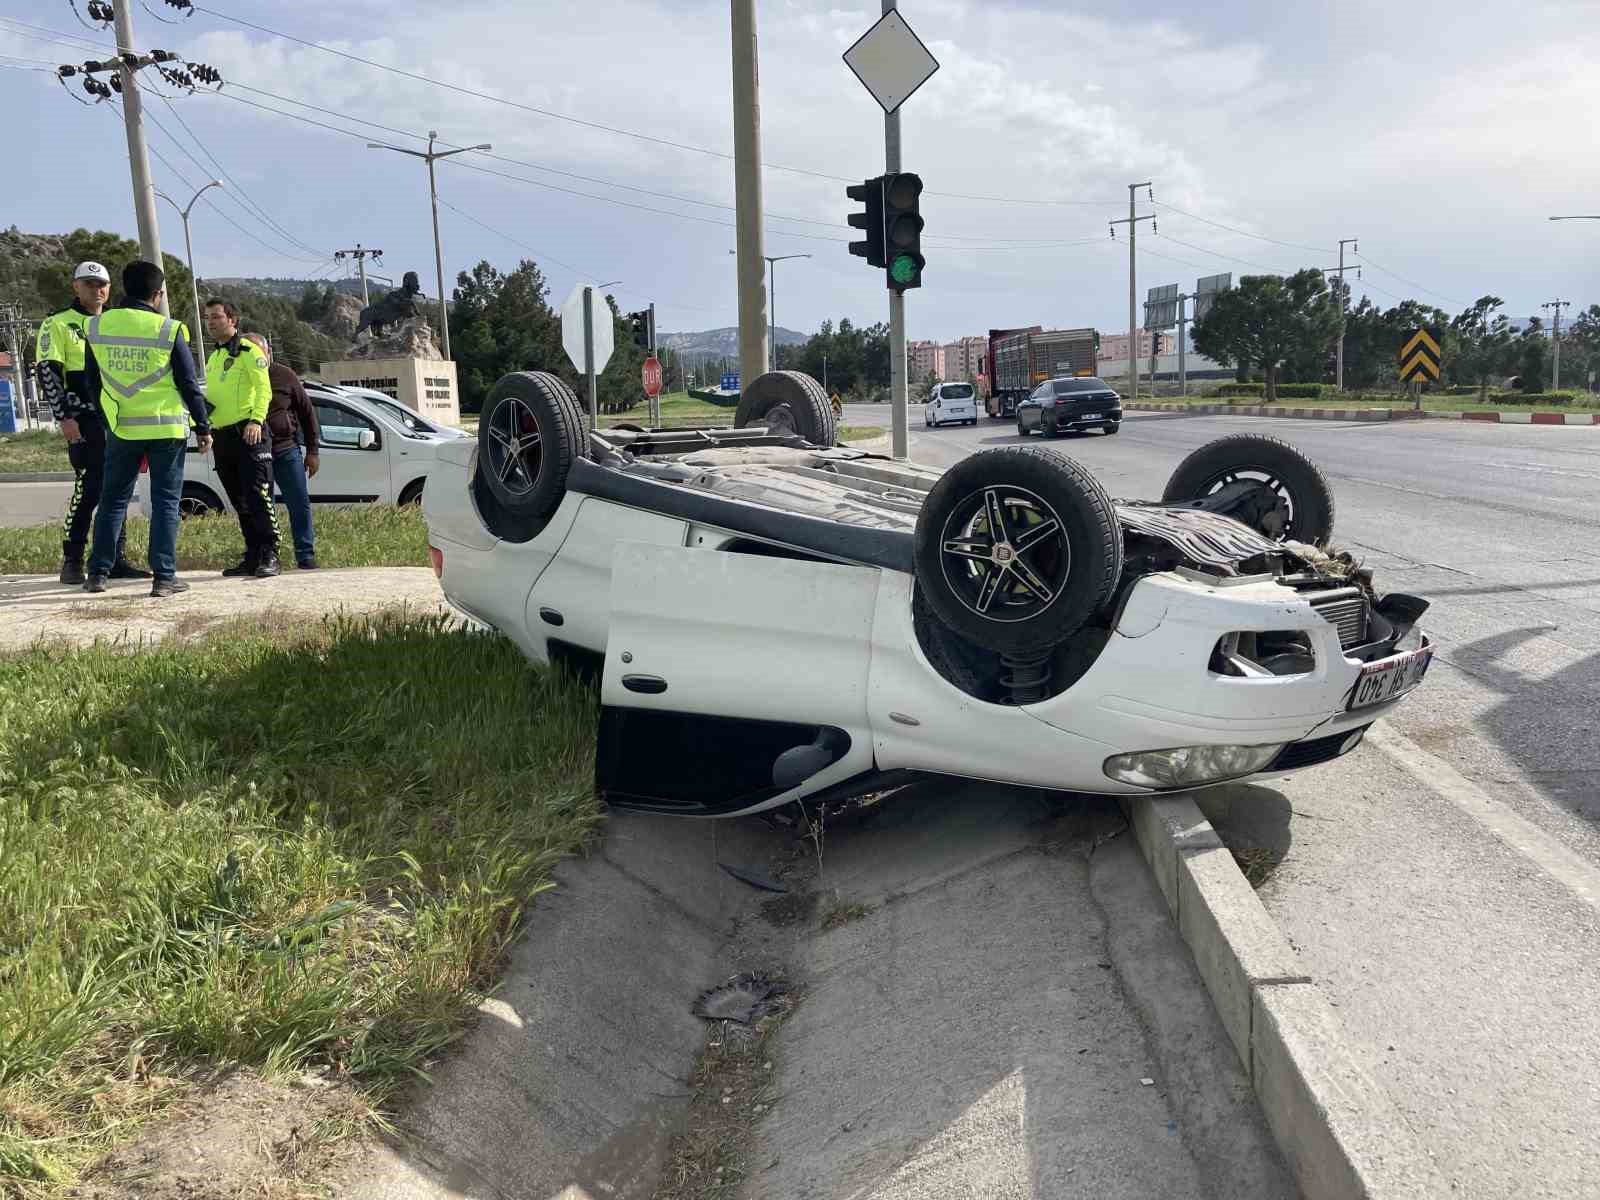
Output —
(92, 270)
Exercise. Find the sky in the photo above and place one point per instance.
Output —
(1441, 136)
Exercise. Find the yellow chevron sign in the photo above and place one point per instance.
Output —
(1419, 356)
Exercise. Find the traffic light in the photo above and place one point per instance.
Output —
(871, 220)
(902, 230)
(639, 326)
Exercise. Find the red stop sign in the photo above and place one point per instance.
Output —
(652, 376)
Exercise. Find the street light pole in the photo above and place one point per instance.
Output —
(1579, 217)
(430, 156)
(188, 248)
(772, 302)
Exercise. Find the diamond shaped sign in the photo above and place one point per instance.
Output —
(572, 328)
(891, 60)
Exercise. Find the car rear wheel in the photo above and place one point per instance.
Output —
(531, 433)
(1269, 485)
(1016, 548)
(1113, 427)
(809, 411)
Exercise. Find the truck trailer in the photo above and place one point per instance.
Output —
(1019, 360)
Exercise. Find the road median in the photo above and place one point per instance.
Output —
(1365, 414)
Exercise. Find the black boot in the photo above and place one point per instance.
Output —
(268, 566)
(244, 568)
(123, 569)
(71, 563)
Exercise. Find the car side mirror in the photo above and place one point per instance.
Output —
(367, 439)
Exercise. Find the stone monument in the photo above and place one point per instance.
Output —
(394, 352)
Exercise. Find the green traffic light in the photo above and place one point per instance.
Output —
(903, 269)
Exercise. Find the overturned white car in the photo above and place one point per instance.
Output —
(775, 618)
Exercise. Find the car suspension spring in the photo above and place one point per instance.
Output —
(1026, 677)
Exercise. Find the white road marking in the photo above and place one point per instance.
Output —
(1538, 847)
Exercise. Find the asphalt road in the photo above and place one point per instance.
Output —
(1442, 884)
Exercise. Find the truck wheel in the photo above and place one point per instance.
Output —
(809, 409)
(1277, 490)
(531, 433)
(1016, 548)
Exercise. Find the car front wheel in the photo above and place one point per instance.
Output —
(1016, 548)
(1261, 480)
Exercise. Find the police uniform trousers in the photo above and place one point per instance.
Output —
(246, 473)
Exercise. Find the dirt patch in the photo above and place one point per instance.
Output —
(237, 1136)
(733, 1087)
(797, 908)
(838, 912)
(1257, 863)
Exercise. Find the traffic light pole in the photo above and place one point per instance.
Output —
(898, 422)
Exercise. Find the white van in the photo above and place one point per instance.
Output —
(951, 402)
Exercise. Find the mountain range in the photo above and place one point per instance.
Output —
(718, 343)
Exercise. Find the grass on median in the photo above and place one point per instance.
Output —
(356, 535)
(1432, 403)
(33, 451)
(284, 849)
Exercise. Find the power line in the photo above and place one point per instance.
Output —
(244, 197)
(619, 131)
(1410, 282)
(1240, 232)
(1226, 257)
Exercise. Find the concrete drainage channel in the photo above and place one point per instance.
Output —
(980, 994)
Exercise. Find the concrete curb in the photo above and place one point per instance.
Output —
(1367, 414)
(1339, 1132)
(39, 477)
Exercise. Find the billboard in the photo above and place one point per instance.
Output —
(1161, 307)
(1206, 289)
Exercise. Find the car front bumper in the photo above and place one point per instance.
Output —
(1151, 688)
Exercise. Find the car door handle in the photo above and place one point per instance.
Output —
(645, 685)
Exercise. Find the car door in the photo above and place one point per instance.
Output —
(732, 682)
(349, 472)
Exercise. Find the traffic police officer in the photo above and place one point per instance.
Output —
(60, 368)
(138, 363)
(239, 390)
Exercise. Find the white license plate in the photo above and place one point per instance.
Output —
(1392, 677)
(1090, 417)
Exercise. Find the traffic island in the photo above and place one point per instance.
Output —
(1364, 414)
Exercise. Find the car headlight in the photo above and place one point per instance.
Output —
(1189, 766)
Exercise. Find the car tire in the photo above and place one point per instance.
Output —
(527, 479)
(412, 492)
(807, 403)
(1061, 576)
(1113, 427)
(1021, 430)
(197, 500)
(1298, 480)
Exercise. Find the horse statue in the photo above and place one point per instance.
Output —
(395, 306)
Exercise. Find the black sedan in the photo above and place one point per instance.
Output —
(1060, 406)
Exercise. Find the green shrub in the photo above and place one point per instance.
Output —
(1556, 399)
(1286, 391)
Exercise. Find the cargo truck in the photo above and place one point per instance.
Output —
(1019, 360)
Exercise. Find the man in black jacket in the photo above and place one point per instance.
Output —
(292, 424)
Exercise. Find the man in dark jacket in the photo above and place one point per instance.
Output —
(292, 422)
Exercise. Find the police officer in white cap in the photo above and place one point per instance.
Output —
(60, 368)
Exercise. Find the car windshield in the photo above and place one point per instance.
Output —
(1070, 387)
(956, 391)
(413, 425)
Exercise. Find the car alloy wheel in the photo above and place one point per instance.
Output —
(1005, 553)
(515, 450)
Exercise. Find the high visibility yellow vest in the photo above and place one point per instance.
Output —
(238, 387)
(61, 339)
(133, 350)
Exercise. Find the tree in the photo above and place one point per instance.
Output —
(54, 280)
(1532, 356)
(1267, 320)
(1483, 344)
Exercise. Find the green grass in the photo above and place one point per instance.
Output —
(358, 535)
(1433, 403)
(286, 849)
(857, 433)
(32, 451)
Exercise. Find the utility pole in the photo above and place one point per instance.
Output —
(1132, 222)
(432, 156)
(360, 254)
(1183, 338)
(751, 251)
(1555, 333)
(144, 192)
(1338, 369)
